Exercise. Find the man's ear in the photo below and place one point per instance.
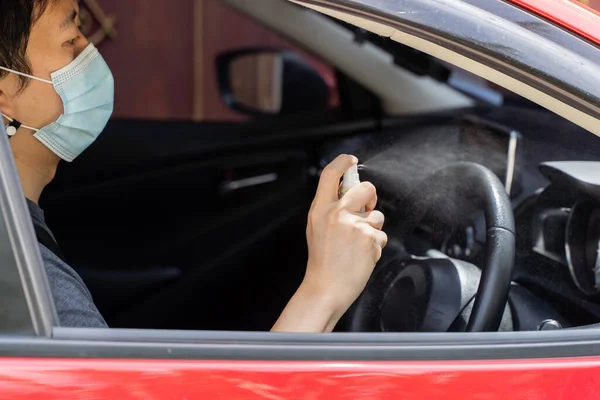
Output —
(6, 98)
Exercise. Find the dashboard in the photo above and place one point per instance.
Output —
(561, 227)
(582, 246)
(571, 237)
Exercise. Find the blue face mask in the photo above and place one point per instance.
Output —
(86, 87)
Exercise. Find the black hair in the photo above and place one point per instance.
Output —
(17, 18)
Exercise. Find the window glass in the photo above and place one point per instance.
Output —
(210, 234)
(173, 69)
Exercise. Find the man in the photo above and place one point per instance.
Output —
(56, 96)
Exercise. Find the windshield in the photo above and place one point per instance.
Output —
(522, 47)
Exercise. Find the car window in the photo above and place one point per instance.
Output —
(175, 69)
(233, 172)
(26, 306)
(14, 313)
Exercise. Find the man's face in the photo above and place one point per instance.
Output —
(55, 41)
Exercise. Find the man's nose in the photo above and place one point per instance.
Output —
(81, 45)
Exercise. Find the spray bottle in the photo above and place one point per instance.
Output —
(350, 180)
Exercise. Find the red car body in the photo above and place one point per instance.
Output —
(44, 379)
(124, 379)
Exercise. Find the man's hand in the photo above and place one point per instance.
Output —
(343, 246)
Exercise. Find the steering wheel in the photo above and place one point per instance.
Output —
(441, 294)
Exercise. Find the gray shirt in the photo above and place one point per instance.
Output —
(72, 298)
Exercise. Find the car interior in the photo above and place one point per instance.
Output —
(201, 225)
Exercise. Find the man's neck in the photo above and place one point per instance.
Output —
(36, 164)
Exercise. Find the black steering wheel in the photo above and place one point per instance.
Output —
(442, 294)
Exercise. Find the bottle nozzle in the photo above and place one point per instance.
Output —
(351, 178)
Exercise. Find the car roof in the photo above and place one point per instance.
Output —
(575, 17)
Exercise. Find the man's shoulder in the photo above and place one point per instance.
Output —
(72, 298)
(37, 214)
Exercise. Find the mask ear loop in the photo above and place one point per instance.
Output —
(27, 76)
(12, 127)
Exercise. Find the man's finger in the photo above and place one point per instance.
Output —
(370, 206)
(381, 238)
(330, 177)
(376, 219)
(360, 197)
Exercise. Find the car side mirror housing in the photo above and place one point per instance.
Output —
(269, 82)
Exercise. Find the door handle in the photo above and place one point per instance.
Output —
(231, 186)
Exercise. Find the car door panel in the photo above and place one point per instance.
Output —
(187, 208)
(132, 379)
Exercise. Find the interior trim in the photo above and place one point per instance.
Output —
(521, 88)
(212, 345)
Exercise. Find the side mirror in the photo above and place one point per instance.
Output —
(265, 82)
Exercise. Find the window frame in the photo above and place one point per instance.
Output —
(517, 48)
(21, 269)
(53, 341)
